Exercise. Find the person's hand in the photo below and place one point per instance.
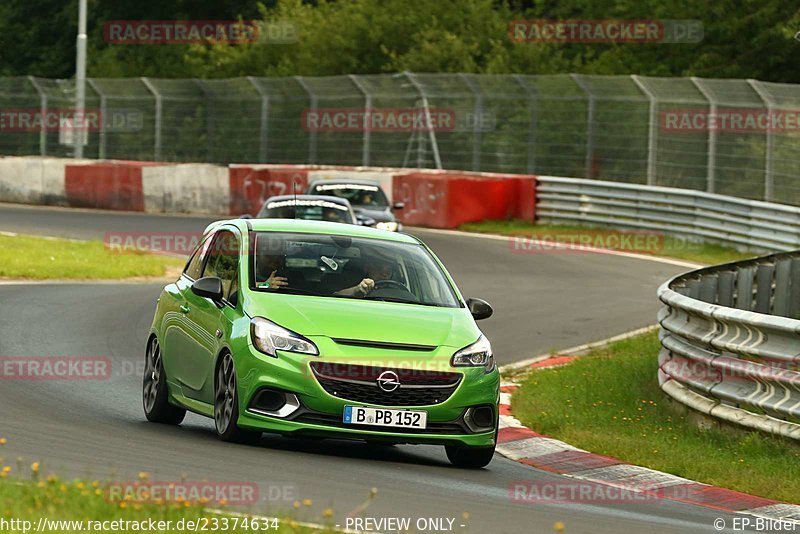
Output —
(276, 282)
(366, 285)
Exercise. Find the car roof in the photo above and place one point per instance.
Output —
(301, 226)
(327, 198)
(345, 181)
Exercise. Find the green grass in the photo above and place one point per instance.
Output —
(64, 501)
(666, 246)
(609, 402)
(40, 258)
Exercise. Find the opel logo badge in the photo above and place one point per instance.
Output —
(388, 381)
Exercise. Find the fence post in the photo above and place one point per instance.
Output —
(476, 130)
(312, 135)
(769, 177)
(712, 136)
(157, 130)
(652, 129)
(208, 99)
(365, 143)
(43, 111)
(101, 148)
(533, 122)
(264, 123)
(428, 122)
(589, 124)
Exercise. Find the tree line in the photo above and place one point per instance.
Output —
(740, 38)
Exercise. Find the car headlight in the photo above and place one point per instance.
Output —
(479, 354)
(389, 226)
(268, 338)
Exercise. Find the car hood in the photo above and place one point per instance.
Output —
(380, 215)
(355, 319)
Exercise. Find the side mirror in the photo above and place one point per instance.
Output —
(398, 205)
(365, 221)
(209, 287)
(480, 309)
(245, 216)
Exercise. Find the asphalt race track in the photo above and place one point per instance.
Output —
(96, 429)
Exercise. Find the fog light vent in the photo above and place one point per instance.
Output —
(274, 403)
(480, 418)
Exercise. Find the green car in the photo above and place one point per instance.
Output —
(322, 329)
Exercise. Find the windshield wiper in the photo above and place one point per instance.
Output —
(297, 290)
(400, 300)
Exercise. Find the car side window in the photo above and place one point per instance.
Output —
(194, 267)
(223, 262)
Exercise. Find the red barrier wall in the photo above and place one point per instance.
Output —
(436, 199)
(114, 185)
(251, 185)
(449, 200)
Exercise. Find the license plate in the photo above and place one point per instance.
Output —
(363, 415)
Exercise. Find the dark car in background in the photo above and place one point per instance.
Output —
(367, 198)
(309, 208)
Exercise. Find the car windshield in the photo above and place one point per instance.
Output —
(310, 210)
(349, 267)
(365, 195)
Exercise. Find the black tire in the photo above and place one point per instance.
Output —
(226, 405)
(469, 457)
(155, 397)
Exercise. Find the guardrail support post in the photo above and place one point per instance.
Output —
(794, 290)
(780, 304)
(764, 277)
(708, 289)
(744, 288)
(725, 288)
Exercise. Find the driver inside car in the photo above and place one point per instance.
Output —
(375, 270)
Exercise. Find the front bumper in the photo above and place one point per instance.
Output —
(320, 414)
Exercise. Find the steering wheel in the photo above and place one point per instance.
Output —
(383, 284)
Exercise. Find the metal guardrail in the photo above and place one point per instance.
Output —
(730, 337)
(733, 221)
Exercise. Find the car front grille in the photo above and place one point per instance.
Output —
(359, 383)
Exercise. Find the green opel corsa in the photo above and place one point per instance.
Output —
(322, 329)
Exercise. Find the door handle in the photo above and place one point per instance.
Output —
(184, 308)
